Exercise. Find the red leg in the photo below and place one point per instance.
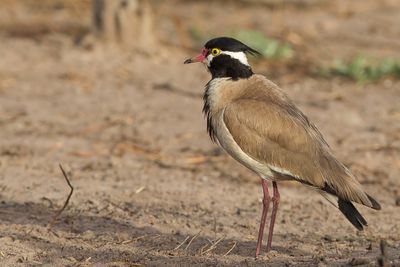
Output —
(275, 203)
(266, 199)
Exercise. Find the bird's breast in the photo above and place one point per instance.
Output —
(218, 94)
(213, 104)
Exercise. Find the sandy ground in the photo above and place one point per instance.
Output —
(129, 131)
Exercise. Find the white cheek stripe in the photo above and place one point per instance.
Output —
(209, 59)
(241, 56)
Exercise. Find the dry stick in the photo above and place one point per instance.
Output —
(206, 245)
(230, 250)
(383, 260)
(191, 240)
(51, 223)
(139, 237)
(183, 242)
(215, 227)
(202, 248)
(213, 246)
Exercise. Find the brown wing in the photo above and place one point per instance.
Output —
(279, 135)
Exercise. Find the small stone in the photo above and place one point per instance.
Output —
(358, 261)
(89, 234)
(238, 211)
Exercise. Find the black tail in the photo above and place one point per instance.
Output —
(352, 214)
(375, 204)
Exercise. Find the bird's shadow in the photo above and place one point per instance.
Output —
(111, 239)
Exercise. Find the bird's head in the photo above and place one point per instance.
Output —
(225, 57)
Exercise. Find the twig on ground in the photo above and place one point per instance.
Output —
(140, 189)
(183, 242)
(139, 238)
(126, 242)
(54, 233)
(58, 213)
(215, 226)
(125, 209)
(49, 201)
(211, 241)
(230, 250)
(191, 240)
(213, 246)
(203, 247)
(383, 260)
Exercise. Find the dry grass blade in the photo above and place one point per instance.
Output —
(126, 242)
(55, 217)
(183, 242)
(140, 189)
(202, 248)
(230, 250)
(191, 240)
(139, 238)
(213, 246)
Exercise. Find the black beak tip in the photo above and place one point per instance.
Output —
(188, 61)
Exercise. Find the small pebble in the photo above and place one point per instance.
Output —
(328, 238)
(358, 261)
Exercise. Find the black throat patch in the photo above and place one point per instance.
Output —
(226, 66)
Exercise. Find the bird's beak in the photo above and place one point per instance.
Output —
(200, 58)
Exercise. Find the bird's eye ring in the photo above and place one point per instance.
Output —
(215, 51)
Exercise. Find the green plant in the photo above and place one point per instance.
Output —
(362, 69)
(268, 47)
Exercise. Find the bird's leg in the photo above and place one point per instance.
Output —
(275, 203)
(266, 199)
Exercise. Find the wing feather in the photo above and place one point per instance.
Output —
(272, 136)
(280, 135)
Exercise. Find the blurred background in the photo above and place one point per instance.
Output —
(100, 87)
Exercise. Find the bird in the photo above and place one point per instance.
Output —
(258, 125)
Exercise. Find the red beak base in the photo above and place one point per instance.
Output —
(199, 58)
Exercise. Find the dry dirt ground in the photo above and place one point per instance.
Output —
(128, 129)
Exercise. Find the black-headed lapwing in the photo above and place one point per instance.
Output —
(253, 120)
